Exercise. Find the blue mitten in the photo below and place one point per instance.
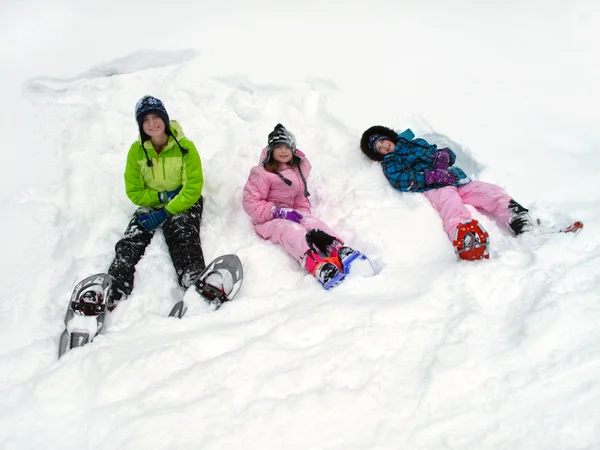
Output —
(153, 220)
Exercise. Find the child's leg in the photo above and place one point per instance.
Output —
(128, 252)
(290, 235)
(182, 235)
(346, 258)
(329, 243)
(488, 197)
(450, 207)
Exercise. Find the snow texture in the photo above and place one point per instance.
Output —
(430, 353)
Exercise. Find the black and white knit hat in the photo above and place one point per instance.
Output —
(280, 135)
(150, 105)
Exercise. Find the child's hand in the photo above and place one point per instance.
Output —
(287, 214)
(167, 196)
(153, 220)
(441, 159)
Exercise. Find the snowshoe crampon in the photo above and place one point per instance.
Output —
(86, 312)
(178, 310)
(471, 241)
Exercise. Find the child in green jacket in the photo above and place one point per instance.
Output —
(163, 177)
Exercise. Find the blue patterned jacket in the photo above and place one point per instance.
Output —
(405, 167)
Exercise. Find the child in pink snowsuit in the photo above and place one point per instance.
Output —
(276, 198)
(415, 165)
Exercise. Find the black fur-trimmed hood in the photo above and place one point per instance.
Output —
(377, 129)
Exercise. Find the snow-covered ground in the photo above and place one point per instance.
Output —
(430, 353)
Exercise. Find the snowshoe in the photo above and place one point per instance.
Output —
(574, 228)
(218, 283)
(471, 241)
(85, 314)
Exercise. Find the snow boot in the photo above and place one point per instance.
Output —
(520, 221)
(325, 270)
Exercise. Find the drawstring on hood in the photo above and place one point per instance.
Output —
(148, 160)
(306, 193)
(289, 182)
(184, 150)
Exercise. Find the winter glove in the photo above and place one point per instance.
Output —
(441, 159)
(167, 196)
(439, 176)
(153, 220)
(287, 214)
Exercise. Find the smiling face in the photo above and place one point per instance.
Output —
(153, 125)
(282, 154)
(384, 146)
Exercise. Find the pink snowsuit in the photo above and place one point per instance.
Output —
(265, 190)
(449, 202)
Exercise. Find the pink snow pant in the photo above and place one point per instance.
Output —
(450, 203)
(292, 235)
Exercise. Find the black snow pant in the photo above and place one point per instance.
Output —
(182, 234)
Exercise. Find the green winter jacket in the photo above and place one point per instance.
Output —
(170, 169)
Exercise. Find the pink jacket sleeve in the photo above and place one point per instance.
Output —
(255, 196)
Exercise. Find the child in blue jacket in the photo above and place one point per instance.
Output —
(414, 165)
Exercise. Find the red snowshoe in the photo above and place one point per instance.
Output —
(471, 241)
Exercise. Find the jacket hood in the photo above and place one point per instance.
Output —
(377, 129)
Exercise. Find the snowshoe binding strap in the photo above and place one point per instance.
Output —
(87, 309)
(211, 293)
(90, 302)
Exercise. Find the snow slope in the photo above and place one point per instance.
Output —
(428, 354)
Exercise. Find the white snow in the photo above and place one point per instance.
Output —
(430, 353)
